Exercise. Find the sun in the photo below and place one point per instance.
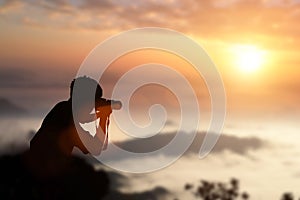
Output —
(248, 58)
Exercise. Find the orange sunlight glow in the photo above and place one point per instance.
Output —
(248, 58)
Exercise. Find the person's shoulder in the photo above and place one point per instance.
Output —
(63, 105)
(60, 111)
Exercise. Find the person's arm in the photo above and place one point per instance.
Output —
(95, 144)
(104, 115)
(103, 109)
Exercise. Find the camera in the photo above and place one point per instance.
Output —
(108, 103)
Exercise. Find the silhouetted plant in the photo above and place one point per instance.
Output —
(217, 190)
(287, 196)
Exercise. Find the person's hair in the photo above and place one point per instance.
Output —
(86, 83)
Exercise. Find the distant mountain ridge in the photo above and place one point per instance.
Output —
(7, 108)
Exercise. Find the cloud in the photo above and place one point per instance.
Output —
(205, 18)
(155, 193)
(235, 144)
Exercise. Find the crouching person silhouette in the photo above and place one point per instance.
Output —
(62, 128)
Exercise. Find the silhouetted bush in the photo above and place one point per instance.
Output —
(288, 196)
(78, 180)
(208, 190)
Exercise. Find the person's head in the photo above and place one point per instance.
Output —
(84, 93)
(86, 84)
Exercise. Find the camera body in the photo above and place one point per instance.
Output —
(108, 104)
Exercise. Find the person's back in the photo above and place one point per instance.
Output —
(57, 135)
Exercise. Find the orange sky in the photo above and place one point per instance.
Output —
(44, 42)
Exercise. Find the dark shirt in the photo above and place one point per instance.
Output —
(57, 135)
